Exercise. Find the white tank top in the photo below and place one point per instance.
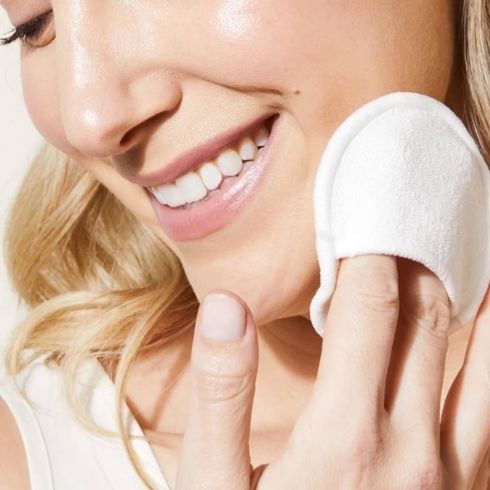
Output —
(61, 453)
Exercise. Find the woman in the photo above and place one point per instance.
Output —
(106, 248)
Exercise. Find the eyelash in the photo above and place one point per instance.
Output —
(28, 31)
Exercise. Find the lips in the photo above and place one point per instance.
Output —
(188, 190)
(225, 204)
(196, 156)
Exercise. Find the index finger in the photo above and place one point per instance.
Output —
(359, 333)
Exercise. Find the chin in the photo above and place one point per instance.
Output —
(271, 289)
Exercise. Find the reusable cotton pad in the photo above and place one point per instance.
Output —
(403, 176)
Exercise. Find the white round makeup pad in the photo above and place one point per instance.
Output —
(403, 176)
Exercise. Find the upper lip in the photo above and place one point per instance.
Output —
(197, 155)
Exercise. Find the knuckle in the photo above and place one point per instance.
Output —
(371, 281)
(376, 291)
(213, 385)
(429, 312)
(363, 449)
(368, 450)
(426, 476)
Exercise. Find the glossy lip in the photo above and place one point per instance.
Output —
(198, 155)
(216, 212)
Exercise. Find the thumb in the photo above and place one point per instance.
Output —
(215, 448)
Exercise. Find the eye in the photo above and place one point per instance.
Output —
(36, 33)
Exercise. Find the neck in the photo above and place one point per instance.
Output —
(289, 354)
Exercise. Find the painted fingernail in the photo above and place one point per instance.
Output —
(222, 317)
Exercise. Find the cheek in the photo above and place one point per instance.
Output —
(132, 196)
(337, 53)
(269, 44)
(41, 97)
(405, 46)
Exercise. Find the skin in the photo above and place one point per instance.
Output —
(120, 111)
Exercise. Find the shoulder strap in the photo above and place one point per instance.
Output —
(34, 445)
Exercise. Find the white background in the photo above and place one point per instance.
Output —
(19, 142)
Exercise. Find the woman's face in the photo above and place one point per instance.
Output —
(128, 86)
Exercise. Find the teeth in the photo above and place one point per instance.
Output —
(195, 185)
(191, 187)
(169, 194)
(261, 137)
(247, 149)
(230, 163)
(210, 175)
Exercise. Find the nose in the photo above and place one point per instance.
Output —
(109, 94)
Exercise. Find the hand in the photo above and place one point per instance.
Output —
(373, 421)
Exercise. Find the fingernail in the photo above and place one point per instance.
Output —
(222, 318)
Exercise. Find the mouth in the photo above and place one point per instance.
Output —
(210, 195)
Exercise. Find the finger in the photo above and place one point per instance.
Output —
(358, 334)
(215, 448)
(416, 372)
(482, 479)
(465, 424)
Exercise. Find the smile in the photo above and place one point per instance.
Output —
(208, 197)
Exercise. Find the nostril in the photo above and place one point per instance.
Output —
(147, 127)
(129, 136)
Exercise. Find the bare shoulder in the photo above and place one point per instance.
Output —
(13, 462)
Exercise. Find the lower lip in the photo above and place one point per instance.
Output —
(216, 212)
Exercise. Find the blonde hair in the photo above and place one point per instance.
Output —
(475, 34)
(88, 270)
(98, 284)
